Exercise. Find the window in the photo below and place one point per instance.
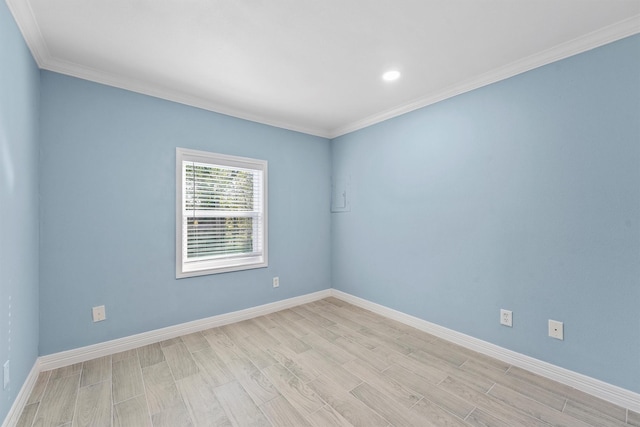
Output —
(221, 213)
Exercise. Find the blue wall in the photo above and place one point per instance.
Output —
(108, 213)
(19, 96)
(523, 195)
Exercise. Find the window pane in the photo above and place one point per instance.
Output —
(221, 214)
(213, 236)
(221, 189)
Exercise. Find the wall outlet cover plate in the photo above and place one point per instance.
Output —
(556, 329)
(506, 318)
(99, 313)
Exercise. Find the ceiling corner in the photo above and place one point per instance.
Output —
(26, 21)
(600, 37)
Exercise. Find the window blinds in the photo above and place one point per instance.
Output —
(222, 212)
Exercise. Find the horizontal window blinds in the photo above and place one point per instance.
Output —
(221, 213)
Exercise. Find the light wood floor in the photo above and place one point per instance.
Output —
(320, 364)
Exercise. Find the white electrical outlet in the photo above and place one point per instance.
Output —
(506, 318)
(276, 282)
(7, 378)
(556, 329)
(99, 313)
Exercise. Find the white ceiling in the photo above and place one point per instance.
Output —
(312, 66)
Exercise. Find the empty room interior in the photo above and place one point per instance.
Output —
(297, 213)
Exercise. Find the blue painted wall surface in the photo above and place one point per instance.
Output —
(108, 213)
(523, 195)
(19, 97)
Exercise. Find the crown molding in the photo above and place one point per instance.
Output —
(23, 14)
(145, 88)
(609, 34)
(26, 21)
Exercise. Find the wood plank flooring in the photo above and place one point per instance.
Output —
(326, 363)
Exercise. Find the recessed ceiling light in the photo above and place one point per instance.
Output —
(391, 75)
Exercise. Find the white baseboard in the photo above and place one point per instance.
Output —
(82, 354)
(594, 387)
(611, 393)
(23, 396)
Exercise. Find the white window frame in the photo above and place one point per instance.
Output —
(215, 266)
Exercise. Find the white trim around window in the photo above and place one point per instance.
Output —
(221, 213)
